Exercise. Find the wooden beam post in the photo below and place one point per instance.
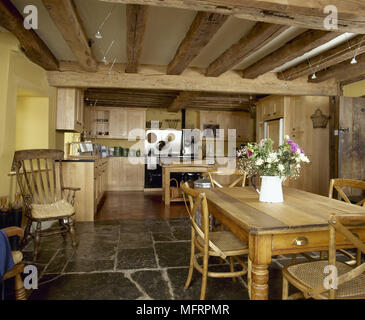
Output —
(302, 44)
(64, 15)
(33, 47)
(182, 101)
(201, 31)
(136, 25)
(326, 59)
(260, 35)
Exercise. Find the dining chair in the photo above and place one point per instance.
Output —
(39, 176)
(338, 185)
(18, 268)
(227, 174)
(329, 279)
(221, 244)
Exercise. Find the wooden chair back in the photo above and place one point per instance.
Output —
(339, 184)
(219, 172)
(340, 224)
(196, 203)
(39, 179)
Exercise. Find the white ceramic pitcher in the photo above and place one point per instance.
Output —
(271, 189)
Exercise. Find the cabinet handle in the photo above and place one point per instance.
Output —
(293, 135)
(300, 241)
(274, 113)
(293, 129)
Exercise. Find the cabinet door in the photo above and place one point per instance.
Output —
(118, 123)
(136, 119)
(273, 132)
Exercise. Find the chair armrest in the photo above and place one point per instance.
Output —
(71, 189)
(13, 231)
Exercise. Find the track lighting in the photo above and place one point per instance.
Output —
(314, 76)
(353, 61)
(98, 35)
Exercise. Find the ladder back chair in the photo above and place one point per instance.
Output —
(39, 176)
(221, 244)
(18, 268)
(226, 172)
(338, 185)
(330, 279)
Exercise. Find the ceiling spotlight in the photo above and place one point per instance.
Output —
(314, 76)
(353, 61)
(98, 35)
(104, 60)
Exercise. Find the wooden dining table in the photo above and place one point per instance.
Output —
(297, 225)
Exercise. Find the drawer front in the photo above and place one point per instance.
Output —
(306, 241)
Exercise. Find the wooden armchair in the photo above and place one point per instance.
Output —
(221, 244)
(45, 198)
(18, 268)
(311, 277)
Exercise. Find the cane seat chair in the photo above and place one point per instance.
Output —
(338, 185)
(320, 279)
(39, 176)
(18, 268)
(221, 244)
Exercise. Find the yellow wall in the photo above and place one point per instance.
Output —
(32, 125)
(356, 89)
(17, 72)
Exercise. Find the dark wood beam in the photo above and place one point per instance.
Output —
(136, 25)
(65, 17)
(294, 48)
(182, 101)
(326, 59)
(342, 71)
(32, 46)
(260, 35)
(304, 14)
(201, 31)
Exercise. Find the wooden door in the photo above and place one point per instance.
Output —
(136, 119)
(351, 155)
(273, 132)
(118, 123)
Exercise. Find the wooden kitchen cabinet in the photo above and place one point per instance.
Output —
(118, 122)
(124, 175)
(271, 108)
(70, 109)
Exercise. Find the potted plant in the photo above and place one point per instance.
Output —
(273, 166)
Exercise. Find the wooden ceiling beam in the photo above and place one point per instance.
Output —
(193, 79)
(299, 13)
(32, 46)
(137, 16)
(294, 48)
(66, 19)
(260, 35)
(342, 71)
(326, 59)
(201, 31)
(182, 101)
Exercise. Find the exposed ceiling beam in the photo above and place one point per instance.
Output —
(342, 71)
(304, 14)
(294, 48)
(136, 25)
(33, 47)
(260, 35)
(65, 17)
(201, 31)
(182, 101)
(340, 53)
(193, 79)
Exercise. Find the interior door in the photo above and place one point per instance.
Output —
(351, 153)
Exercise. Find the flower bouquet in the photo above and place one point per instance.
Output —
(272, 165)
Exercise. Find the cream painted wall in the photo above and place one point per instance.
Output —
(356, 89)
(32, 125)
(17, 72)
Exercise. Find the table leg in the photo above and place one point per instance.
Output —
(166, 186)
(260, 255)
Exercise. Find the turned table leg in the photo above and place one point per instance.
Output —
(260, 255)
